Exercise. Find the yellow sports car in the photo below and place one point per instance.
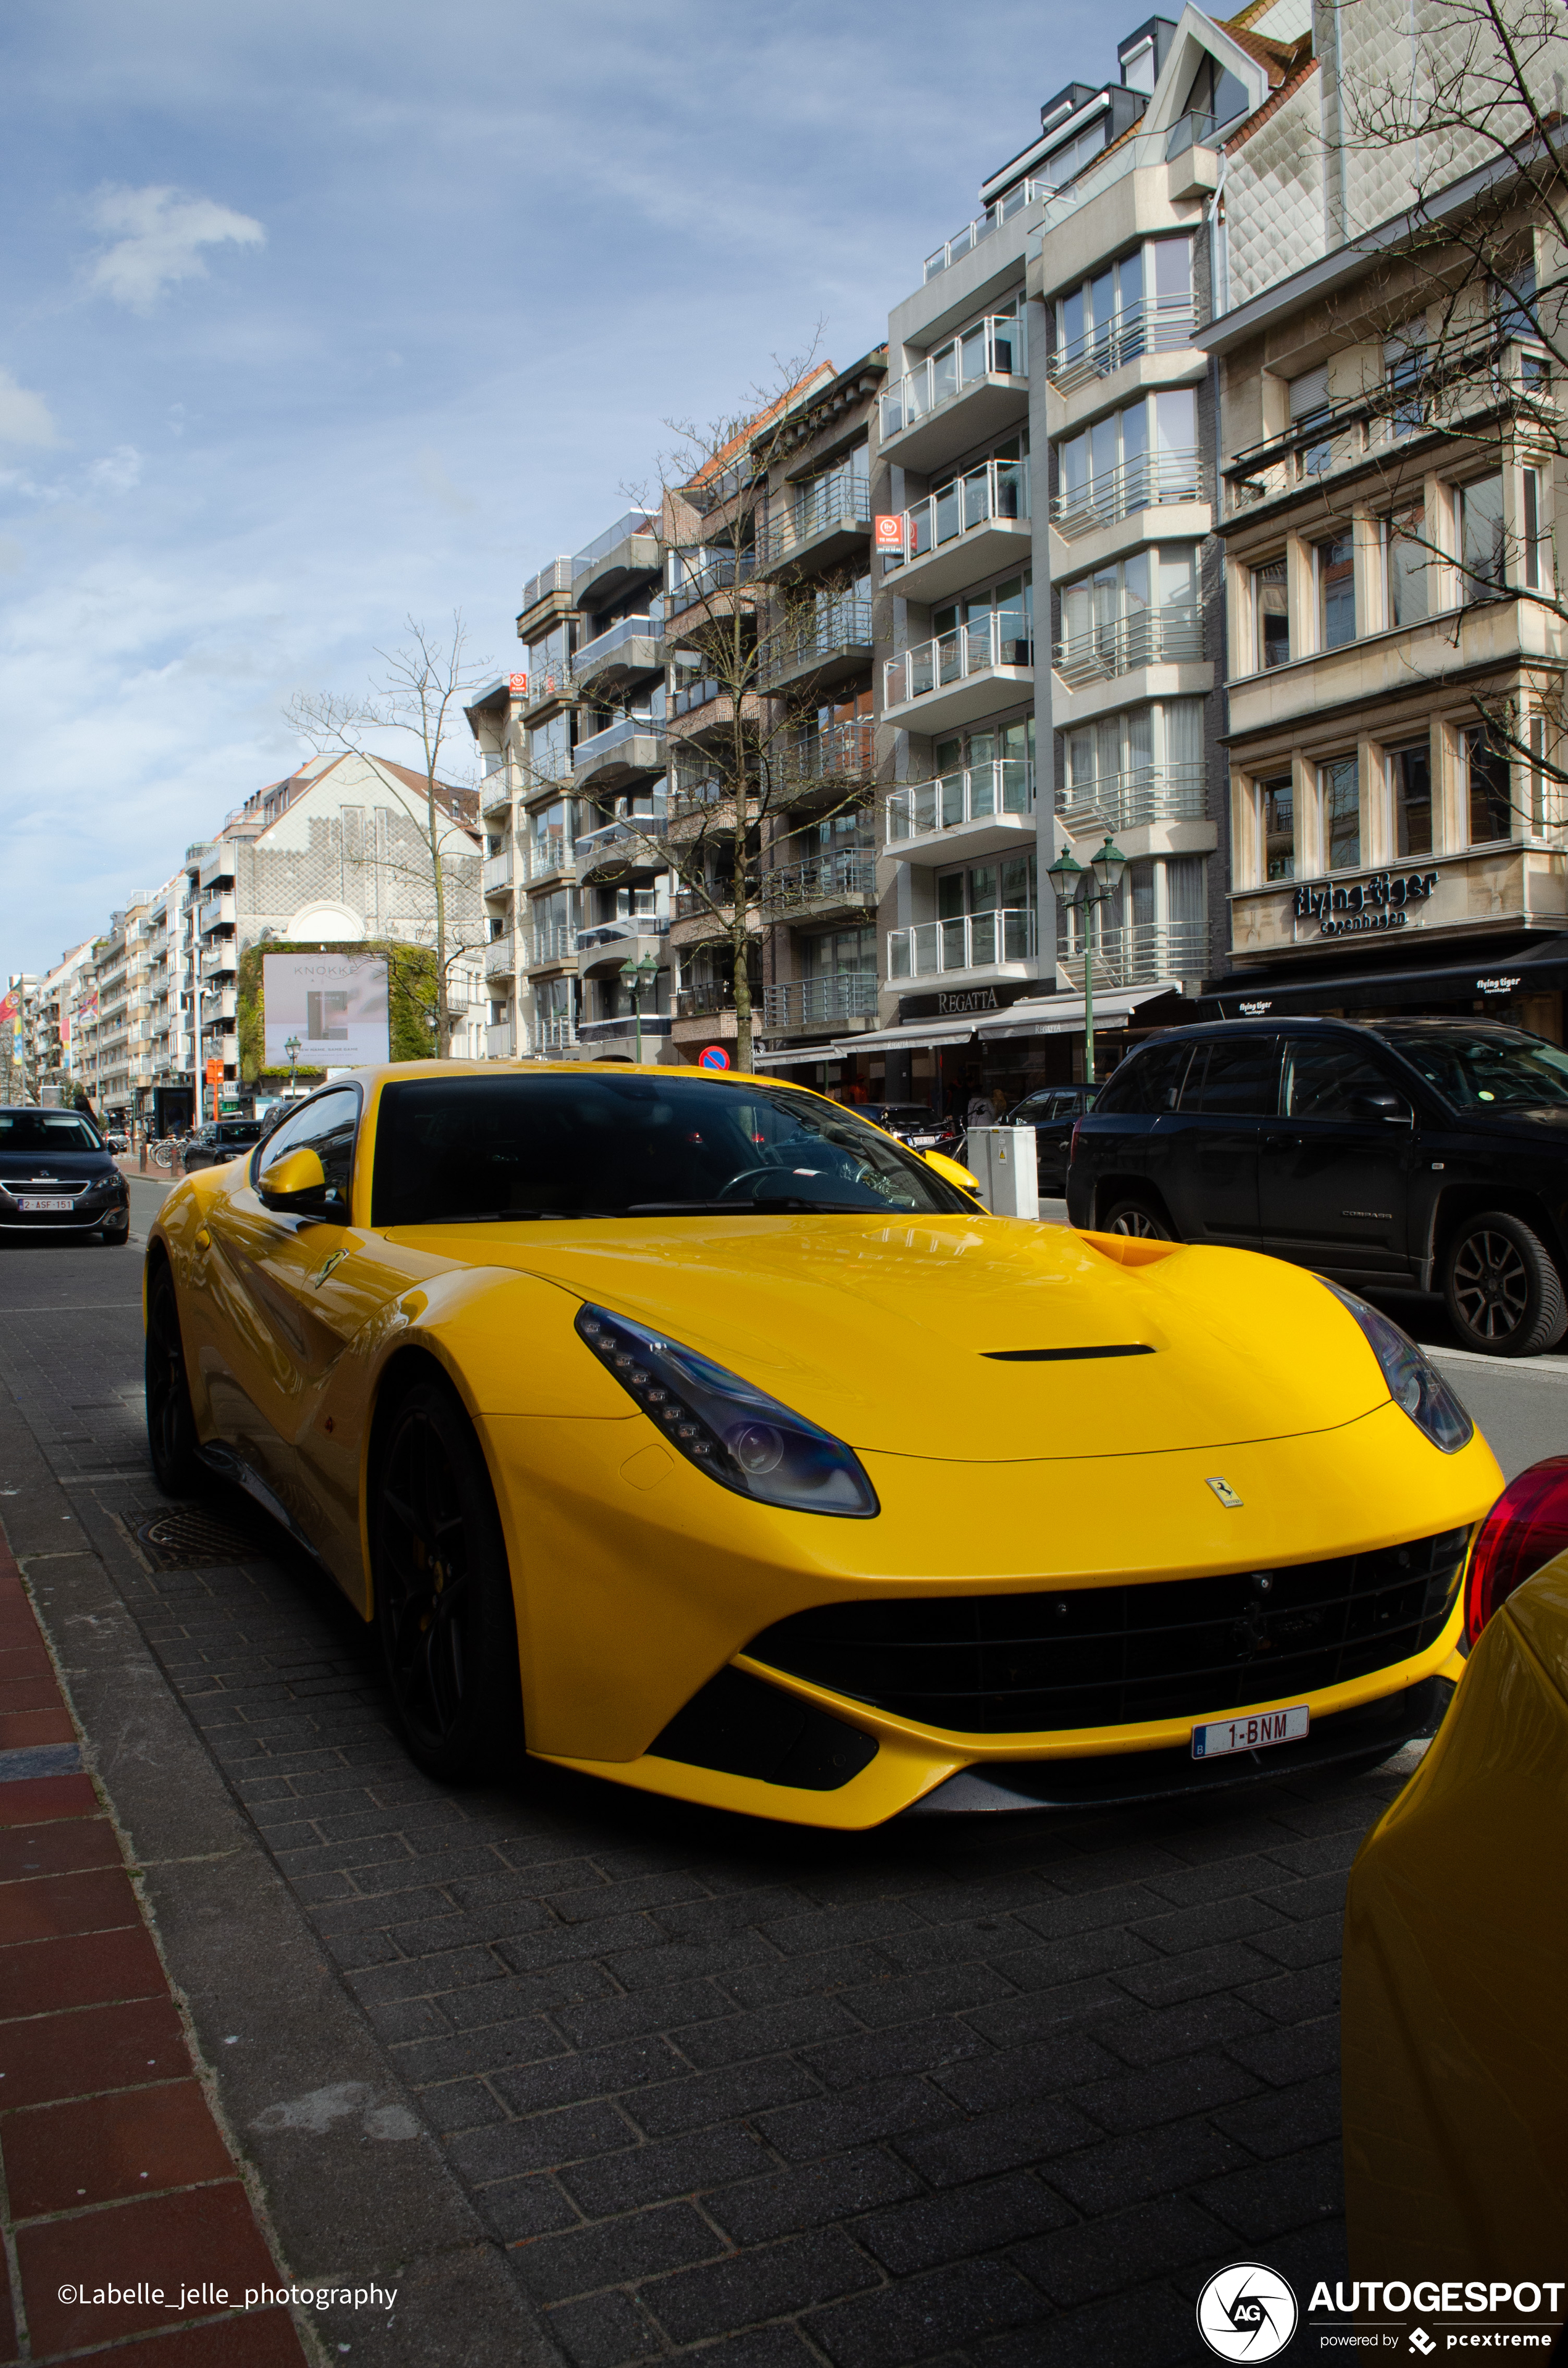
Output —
(689, 1430)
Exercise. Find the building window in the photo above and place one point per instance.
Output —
(1491, 799)
(998, 625)
(1309, 405)
(1276, 805)
(1405, 366)
(1483, 548)
(1410, 779)
(1535, 572)
(1340, 788)
(1141, 303)
(1147, 453)
(1405, 565)
(1271, 614)
(1337, 591)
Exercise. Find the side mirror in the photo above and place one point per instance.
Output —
(950, 1172)
(298, 1175)
(1391, 1108)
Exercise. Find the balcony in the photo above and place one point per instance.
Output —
(615, 560)
(553, 1034)
(1147, 482)
(501, 958)
(622, 846)
(221, 1006)
(1129, 800)
(632, 646)
(835, 764)
(966, 393)
(805, 1002)
(1195, 168)
(693, 695)
(1171, 636)
(823, 650)
(497, 876)
(607, 945)
(1160, 324)
(548, 852)
(988, 942)
(632, 745)
(549, 686)
(555, 578)
(220, 960)
(819, 525)
(845, 884)
(709, 1000)
(696, 576)
(965, 240)
(949, 681)
(215, 913)
(495, 789)
(972, 528)
(498, 1041)
(1143, 954)
(550, 942)
(980, 809)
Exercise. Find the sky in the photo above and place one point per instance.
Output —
(317, 317)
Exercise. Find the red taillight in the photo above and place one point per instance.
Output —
(1072, 1145)
(1526, 1529)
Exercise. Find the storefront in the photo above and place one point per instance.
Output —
(1005, 1040)
(1522, 983)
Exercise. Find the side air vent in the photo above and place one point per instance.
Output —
(739, 1726)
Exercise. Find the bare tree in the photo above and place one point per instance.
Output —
(425, 685)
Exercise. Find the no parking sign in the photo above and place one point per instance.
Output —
(713, 1057)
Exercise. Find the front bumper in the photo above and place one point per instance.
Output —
(99, 1216)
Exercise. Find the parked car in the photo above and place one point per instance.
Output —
(1054, 1112)
(220, 1140)
(1425, 1153)
(921, 1129)
(58, 1176)
(1455, 1932)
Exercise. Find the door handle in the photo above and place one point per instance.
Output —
(1282, 1142)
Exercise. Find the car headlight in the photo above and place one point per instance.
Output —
(1414, 1382)
(737, 1434)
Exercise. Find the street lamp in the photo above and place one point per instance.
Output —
(639, 974)
(1097, 885)
(292, 1046)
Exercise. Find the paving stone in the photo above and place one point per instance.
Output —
(1158, 2162)
(664, 2168)
(1167, 2092)
(1264, 2199)
(604, 2332)
(765, 2282)
(732, 2038)
(1103, 2257)
(979, 2219)
(786, 2202)
(633, 2246)
(1298, 2116)
(1152, 2327)
(995, 2141)
(928, 2314)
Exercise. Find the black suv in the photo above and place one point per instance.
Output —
(1425, 1154)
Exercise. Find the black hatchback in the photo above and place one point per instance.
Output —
(222, 1139)
(1052, 1112)
(1416, 1153)
(57, 1177)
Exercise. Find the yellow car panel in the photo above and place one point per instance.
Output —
(914, 1339)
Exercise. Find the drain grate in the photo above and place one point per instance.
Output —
(186, 1537)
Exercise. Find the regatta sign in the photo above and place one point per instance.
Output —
(1384, 900)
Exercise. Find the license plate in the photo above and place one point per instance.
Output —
(47, 1207)
(1253, 1734)
(923, 1142)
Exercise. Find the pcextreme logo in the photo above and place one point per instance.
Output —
(1246, 2312)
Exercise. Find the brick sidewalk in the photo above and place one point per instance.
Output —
(116, 2173)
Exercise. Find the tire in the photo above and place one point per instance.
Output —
(1131, 1215)
(1502, 1287)
(450, 1649)
(171, 1425)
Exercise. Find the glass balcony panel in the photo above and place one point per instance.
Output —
(950, 518)
(945, 376)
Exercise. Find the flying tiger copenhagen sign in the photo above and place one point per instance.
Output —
(324, 1010)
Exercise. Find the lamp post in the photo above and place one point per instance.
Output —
(639, 974)
(1097, 885)
(292, 1046)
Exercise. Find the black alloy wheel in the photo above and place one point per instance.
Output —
(171, 1425)
(1139, 1217)
(443, 1593)
(1501, 1284)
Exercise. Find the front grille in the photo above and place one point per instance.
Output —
(1119, 1655)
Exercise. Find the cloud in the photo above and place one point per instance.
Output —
(118, 470)
(439, 486)
(24, 418)
(162, 231)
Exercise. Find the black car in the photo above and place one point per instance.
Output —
(921, 1129)
(1052, 1112)
(222, 1139)
(57, 1177)
(1425, 1154)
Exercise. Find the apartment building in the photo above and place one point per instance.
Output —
(1391, 496)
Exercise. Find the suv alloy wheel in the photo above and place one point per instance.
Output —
(1502, 1287)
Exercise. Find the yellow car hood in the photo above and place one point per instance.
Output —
(885, 1333)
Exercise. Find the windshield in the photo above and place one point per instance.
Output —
(40, 1130)
(604, 1146)
(1473, 1069)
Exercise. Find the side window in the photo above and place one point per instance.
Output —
(1148, 1083)
(1241, 1079)
(328, 1126)
(1323, 1079)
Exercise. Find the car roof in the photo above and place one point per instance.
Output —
(426, 1072)
(1313, 1024)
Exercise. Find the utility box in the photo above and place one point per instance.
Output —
(1003, 1157)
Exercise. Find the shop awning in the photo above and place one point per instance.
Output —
(919, 1036)
(801, 1056)
(1060, 1015)
(1487, 978)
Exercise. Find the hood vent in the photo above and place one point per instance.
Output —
(1066, 1356)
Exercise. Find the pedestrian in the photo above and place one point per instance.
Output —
(979, 1113)
(998, 1105)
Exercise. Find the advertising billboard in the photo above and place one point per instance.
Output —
(334, 1006)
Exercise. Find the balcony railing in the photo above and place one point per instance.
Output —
(548, 850)
(1144, 484)
(1157, 326)
(1126, 800)
(965, 240)
(705, 1001)
(990, 641)
(996, 345)
(556, 578)
(1141, 953)
(1145, 151)
(603, 744)
(634, 522)
(998, 489)
(820, 1002)
(624, 931)
(693, 695)
(219, 959)
(624, 842)
(498, 1041)
(843, 627)
(497, 873)
(694, 575)
(813, 509)
(555, 1034)
(836, 758)
(500, 957)
(849, 878)
(1005, 785)
(604, 645)
(971, 941)
(1171, 636)
(550, 942)
(495, 789)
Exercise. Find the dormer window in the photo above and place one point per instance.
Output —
(1138, 67)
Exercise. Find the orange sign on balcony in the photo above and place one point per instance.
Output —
(888, 531)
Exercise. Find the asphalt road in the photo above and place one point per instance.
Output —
(628, 2082)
